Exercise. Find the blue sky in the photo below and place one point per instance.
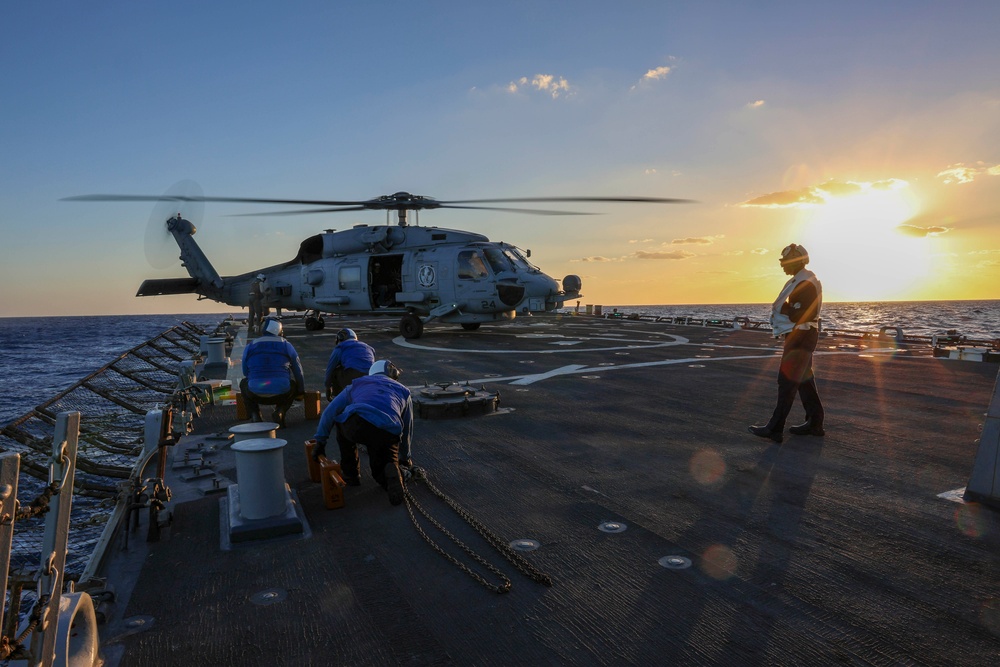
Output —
(768, 114)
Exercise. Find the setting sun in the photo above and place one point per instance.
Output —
(859, 250)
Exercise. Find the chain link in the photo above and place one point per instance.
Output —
(518, 561)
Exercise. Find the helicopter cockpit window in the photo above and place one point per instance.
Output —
(498, 261)
(350, 277)
(518, 259)
(471, 265)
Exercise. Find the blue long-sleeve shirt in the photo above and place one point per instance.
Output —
(269, 364)
(349, 353)
(379, 400)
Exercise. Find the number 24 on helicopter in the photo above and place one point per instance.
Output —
(416, 273)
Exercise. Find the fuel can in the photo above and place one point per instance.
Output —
(241, 407)
(333, 483)
(313, 465)
(310, 401)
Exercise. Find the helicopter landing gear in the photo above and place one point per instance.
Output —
(411, 326)
(314, 321)
(470, 326)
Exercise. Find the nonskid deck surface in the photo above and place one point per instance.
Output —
(671, 535)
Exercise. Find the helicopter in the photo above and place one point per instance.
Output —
(417, 273)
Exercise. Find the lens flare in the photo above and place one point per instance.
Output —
(969, 519)
(707, 467)
(719, 562)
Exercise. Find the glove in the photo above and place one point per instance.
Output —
(329, 393)
(319, 450)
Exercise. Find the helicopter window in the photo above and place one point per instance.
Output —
(498, 261)
(471, 265)
(350, 277)
(518, 259)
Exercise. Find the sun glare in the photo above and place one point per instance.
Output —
(857, 251)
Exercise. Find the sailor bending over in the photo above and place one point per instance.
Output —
(375, 411)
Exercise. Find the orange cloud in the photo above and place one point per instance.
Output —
(673, 254)
(914, 230)
(815, 195)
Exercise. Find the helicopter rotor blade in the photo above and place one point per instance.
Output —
(635, 200)
(198, 198)
(521, 210)
(305, 210)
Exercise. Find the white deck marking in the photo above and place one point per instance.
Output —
(583, 370)
(565, 370)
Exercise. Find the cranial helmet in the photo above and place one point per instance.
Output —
(384, 367)
(346, 334)
(794, 253)
(272, 325)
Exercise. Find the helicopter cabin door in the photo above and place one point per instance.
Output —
(385, 280)
(473, 285)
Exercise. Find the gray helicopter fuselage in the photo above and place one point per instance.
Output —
(428, 272)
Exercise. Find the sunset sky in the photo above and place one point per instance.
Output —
(869, 132)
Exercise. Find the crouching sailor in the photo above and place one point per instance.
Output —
(375, 411)
(349, 360)
(795, 315)
(272, 373)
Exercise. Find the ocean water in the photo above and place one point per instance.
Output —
(974, 319)
(43, 356)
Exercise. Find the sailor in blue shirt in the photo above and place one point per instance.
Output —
(375, 411)
(349, 360)
(272, 373)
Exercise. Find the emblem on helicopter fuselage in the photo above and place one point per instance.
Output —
(425, 275)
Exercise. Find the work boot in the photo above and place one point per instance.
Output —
(279, 417)
(807, 428)
(766, 432)
(255, 417)
(393, 483)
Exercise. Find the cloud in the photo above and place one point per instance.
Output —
(961, 173)
(759, 251)
(696, 240)
(546, 83)
(815, 195)
(673, 254)
(914, 230)
(595, 258)
(756, 104)
(653, 75)
(732, 253)
(642, 241)
(656, 74)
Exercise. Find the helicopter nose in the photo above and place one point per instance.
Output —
(510, 293)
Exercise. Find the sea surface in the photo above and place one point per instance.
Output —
(42, 356)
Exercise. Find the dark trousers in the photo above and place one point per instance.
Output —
(282, 402)
(342, 377)
(383, 448)
(795, 376)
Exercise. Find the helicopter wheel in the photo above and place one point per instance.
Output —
(411, 326)
(470, 326)
(314, 324)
